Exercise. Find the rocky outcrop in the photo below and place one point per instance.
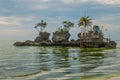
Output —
(59, 37)
(27, 43)
(111, 44)
(43, 36)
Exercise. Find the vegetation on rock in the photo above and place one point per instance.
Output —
(92, 37)
(68, 25)
(41, 25)
(85, 21)
(62, 34)
(43, 36)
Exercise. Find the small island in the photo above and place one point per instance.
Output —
(91, 37)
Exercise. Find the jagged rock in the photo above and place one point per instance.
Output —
(43, 36)
(59, 37)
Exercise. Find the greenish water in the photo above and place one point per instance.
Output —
(56, 63)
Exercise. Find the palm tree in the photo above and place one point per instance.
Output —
(67, 25)
(42, 25)
(85, 21)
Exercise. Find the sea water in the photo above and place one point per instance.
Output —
(56, 63)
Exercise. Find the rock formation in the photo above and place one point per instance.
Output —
(43, 37)
(59, 37)
(91, 39)
(27, 43)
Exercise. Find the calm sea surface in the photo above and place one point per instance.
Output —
(55, 63)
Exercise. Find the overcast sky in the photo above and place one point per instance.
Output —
(18, 17)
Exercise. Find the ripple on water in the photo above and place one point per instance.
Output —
(38, 63)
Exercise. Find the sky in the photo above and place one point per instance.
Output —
(18, 17)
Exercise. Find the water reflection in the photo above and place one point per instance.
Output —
(91, 60)
(44, 59)
(68, 62)
(61, 56)
(56, 63)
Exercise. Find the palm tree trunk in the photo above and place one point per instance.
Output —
(85, 29)
(81, 30)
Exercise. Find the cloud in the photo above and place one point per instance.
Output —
(14, 27)
(73, 1)
(17, 34)
(34, 0)
(4, 10)
(35, 4)
(14, 31)
(28, 12)
(109, 22)
(40, 7)
(108, 2)
(13, 20)
(44, 0)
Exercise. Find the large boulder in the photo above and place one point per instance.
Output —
(59, 37)
(43, 36)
